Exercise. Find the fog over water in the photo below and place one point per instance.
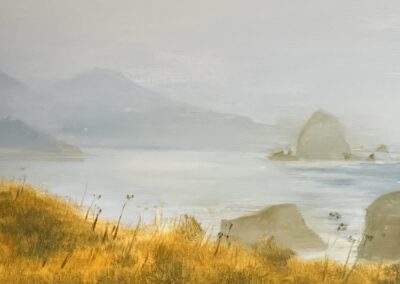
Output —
(275, 61)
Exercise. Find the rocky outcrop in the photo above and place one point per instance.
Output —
(283, 222)
(382, 148)
(283, 156)
(380, 153)
(381, 238)
(322, 138)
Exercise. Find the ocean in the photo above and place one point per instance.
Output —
(215, 185)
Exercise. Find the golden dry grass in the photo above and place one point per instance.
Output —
(44, 239)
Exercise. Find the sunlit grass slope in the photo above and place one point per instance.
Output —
(44, 239)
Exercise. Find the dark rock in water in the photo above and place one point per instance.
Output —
(382, 148)
(283, 156)
(381, 153)
(371, 157)
(283, 222)
(323, 138)
(381, 239)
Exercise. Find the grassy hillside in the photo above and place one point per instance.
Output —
(44, 239)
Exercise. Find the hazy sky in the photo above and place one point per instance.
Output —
(272, 60)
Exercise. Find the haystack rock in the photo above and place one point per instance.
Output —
(381, 238)
(323, 138)
(283, 222)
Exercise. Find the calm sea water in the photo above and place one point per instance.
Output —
(215, 185)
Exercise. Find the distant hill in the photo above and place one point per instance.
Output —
(17, 135)
(8, 82)
(13, 95)
(103, 107)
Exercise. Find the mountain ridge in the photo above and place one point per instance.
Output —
(103, 107)
(18, 135)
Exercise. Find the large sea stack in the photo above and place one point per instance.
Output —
(322, 138)
(381, 239)
(282, 222)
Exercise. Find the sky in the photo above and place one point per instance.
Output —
(273, 60)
